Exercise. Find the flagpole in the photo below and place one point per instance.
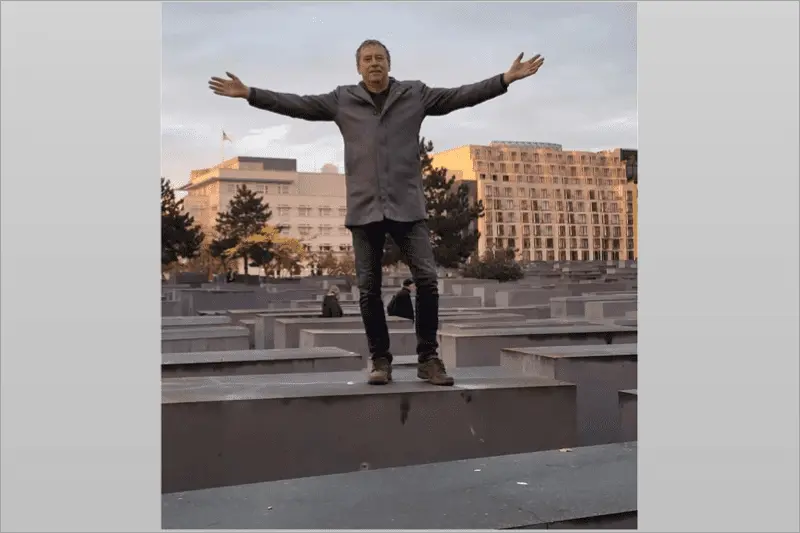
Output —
(222, 147)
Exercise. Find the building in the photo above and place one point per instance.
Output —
(550, 204)
(309, 205)
(631, 158)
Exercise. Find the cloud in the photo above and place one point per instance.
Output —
(272, 142)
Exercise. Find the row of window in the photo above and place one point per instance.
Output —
(502, 230)
(545, 205)
(575, 255)
(516, 168)
(548, 244)
(305, 211)
(510, 217)
(499, 155)
(328, 248)
(545, 194)
(552, 180)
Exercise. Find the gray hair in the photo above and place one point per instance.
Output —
(334, 291)
(372, 42)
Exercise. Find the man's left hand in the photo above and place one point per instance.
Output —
(522, 69)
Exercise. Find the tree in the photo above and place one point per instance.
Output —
(247, 214)
(345, 266)
(181, 238)
(495, 264)
(327, 262)
(271, 250)
(451, 213)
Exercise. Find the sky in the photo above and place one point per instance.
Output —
(583, 97)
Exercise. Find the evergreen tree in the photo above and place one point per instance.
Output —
(247, 214)
(181, 238)
(452, 216)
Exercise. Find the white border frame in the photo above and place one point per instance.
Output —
(719, 266)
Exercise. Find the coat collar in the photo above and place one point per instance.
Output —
(396, 89)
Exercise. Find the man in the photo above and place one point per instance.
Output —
(400, 304)
(380, 120)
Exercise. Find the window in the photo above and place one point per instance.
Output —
(342, 211)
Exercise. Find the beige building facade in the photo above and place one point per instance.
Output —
(548, 203)
(309, 205)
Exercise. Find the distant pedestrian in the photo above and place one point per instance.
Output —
(401, 304)
(330, 304)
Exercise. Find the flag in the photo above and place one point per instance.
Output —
(225, 137)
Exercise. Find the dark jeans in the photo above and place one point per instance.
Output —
(415, 244)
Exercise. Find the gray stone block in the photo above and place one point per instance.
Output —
(221, 431)
(599, 372)
(629, 426)
(593, 487)
(482, 347)
(243, 362)
(204, 339)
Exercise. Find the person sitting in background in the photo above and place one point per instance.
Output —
(330, 304)
(400, 304)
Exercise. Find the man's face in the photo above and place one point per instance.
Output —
(373, 65)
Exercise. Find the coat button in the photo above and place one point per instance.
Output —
(375, 112)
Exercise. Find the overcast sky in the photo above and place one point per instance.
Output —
(584, 97)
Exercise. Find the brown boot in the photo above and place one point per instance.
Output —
(433, 372)
(381, 373)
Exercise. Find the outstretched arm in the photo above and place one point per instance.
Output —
(321, 107)
(443, 101)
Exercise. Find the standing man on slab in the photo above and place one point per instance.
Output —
(380, 120)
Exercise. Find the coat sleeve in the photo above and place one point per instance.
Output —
(438, 101)
(317, 107)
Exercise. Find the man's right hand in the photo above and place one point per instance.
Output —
(232, 88)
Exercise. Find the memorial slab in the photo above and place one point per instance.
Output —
(243, 362)
(601, 310)
(205, 339)
(287, 330)
(568, 306)
(599, 372)
(629, 426)
(220, 431)
(355, 340)
(481, 347)
(586, 488)
(194, 321)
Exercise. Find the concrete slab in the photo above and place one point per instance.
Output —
(287, 330)
(591, 488)
(355, 340)
(194, 321)
(564, 306)
(599, 372)
(243, 362)
(629, 426)
(517, 297)
(220, 431)
(205, 339)
(506, 323)
(601, 310)
(481, 347)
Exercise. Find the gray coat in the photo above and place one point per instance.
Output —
(381, 149)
